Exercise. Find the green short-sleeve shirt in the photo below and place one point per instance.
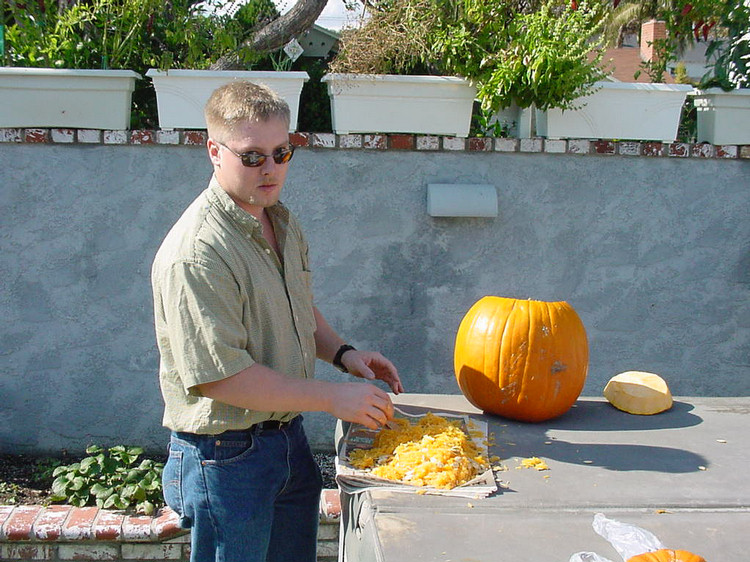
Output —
(223, 300)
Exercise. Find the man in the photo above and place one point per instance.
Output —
(238, 336)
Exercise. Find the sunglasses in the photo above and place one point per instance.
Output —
(253, 159)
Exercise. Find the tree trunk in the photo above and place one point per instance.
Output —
(279, 32)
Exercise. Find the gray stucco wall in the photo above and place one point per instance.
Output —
(653, 253)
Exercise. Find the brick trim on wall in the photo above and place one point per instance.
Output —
(422, 143)
(64, 532)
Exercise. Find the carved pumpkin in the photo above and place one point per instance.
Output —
(667, 555)
(521, 359)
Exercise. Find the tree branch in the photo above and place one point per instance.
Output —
(279, 32)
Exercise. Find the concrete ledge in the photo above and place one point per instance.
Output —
(398, 142)
(64, 532)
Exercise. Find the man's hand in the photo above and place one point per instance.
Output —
(360, 403)
(371, 365)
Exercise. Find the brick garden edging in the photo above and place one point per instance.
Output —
(422, 143)
(64, 532)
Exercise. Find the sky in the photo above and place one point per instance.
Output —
(334, 15)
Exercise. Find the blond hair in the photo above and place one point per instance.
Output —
(239, 102)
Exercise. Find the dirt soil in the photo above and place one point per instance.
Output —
(22, 480)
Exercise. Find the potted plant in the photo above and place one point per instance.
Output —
(379, 80)
(723, 100)
(184, 75)
(619, 110)
(516, 54)
(71, 67)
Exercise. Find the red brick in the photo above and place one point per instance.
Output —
(19, 525)
(48, 526)
(166, 524)
(726, 151)
(108, 525)
(5, 511)
(745, 151)
(379, 142)
(603, 147)
(27, 551)
(136, 528)
(703, 150)
(80, 523)
(652, 149)
(194, 138)
(480, 144)
(402, 142)
(143, 136)
(36, 135)
(323, 140)
(679, 150)
(299, 139)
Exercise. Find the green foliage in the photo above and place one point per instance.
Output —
(547, 57)
(134, 35)
(44, 469)
(110, 478)
(130, 34)
(316, 114)
(10, 492)
(731, 68)
(541, 53)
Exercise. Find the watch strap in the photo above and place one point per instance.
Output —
(337, 358)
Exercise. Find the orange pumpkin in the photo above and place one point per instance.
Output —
(667, 555)
(521, 359)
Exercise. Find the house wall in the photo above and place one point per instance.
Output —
(648, 242)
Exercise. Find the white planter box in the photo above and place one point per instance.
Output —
(51, 97)
(182, 94)
(620, 110)
(385, 103)
(723, 117)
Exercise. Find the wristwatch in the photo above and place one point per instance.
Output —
(337, 358)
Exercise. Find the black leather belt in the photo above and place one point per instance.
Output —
(269, 425)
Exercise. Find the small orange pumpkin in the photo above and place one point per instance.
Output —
(667, 555)
(521, 359)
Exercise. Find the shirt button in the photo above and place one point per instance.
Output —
(268, 251)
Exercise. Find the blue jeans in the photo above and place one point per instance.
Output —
(247, 496)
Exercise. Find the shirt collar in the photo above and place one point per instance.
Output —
(217, 196)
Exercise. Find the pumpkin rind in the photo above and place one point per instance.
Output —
(638, 392)
(667, 555)
(521, 359)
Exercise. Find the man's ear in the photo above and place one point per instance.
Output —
(213, 151)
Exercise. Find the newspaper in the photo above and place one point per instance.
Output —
(353, 480)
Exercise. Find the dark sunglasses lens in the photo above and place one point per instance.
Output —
(252, 159)
(282, 156)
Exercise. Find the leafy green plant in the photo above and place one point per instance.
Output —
(9, 491)
(731, 67)
(44, 468)
(541, 53)
(548, 58)
(110, 478)
(129, 34)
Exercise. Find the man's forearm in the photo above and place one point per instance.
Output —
(261, 388)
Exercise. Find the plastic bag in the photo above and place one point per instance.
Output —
(628, 540)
